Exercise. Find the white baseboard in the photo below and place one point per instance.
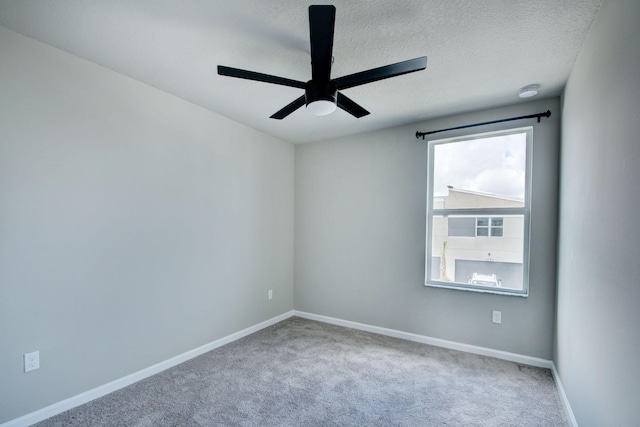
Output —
(498, 354)
(100, 391)
(563, 396)
(72, 402)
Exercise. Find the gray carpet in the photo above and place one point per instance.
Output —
(305, 373)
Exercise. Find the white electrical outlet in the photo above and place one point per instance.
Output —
(31, 361)
(497, 317)
(270, 294)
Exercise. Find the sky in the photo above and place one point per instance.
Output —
(490, 165)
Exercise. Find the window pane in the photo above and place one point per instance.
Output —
(493, 167)
(483, 222)
(483, 231)
(479, 262)
(496, 222)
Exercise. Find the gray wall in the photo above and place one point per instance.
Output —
(134, 226)
(360, 238)
(598, 332)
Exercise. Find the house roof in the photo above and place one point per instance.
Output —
(483, 194)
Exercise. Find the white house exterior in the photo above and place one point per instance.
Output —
(484, 245)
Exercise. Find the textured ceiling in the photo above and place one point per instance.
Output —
(479, 52)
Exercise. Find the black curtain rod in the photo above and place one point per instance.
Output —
(531, 116)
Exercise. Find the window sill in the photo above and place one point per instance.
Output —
(495, 291)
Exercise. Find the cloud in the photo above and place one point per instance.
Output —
(491, 165)
(505, 182)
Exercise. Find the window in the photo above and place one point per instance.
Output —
(478, 206)
(474, 227)
(489, 227)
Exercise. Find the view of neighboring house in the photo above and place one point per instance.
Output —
(478, 250)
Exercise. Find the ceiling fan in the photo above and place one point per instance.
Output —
(321, 93)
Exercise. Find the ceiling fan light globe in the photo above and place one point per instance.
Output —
(321, 107)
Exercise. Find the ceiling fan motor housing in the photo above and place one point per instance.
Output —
(320, 91)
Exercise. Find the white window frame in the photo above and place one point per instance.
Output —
(524, 211)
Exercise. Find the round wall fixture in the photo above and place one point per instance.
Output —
(528, 91)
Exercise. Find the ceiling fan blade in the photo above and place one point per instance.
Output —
(289, 109)
(321, 26)
(259, 77)
(351, 107)
(381, 73)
